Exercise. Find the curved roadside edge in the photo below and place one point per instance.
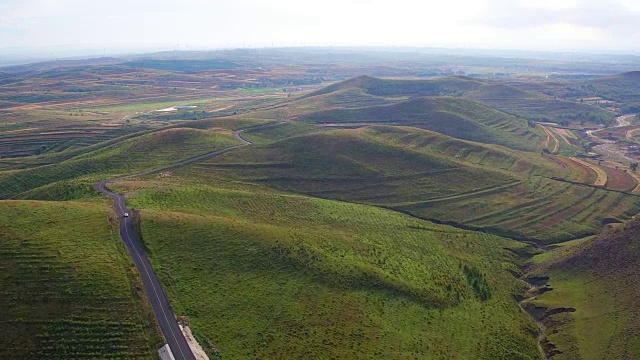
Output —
(165, 316)
(551, 135)
(562, 133)
(601, 179)
(635, 177)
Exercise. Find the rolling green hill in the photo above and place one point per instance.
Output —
(358, 165)
(425, 174)
(455, 117)
(592, 312)
(262, 274)
(344, 231)
(68, 289)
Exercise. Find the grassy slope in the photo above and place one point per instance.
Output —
(62, 180)
(357, 165)
(267, 275)
(455, 117)
(68, 290)
(598, 278)
(426, 174)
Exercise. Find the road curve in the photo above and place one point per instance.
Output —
(157, 297)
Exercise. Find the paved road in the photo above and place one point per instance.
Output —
(157, 297)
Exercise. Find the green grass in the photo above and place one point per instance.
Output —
(267, 275)
(426, 174)
(266, 135)
(68, 288)
(351, 165)
(539, 208)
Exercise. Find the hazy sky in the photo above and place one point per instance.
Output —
(515, 24)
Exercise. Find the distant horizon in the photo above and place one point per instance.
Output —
(24, 55)
(579, 26)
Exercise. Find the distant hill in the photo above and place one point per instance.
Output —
(595, 296)
(528, 104)
(182, 65)
(452, 85)
(624, 87)
(457, 117)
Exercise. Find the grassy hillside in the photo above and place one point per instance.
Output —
(267, 275)
(131, 155)
(594, 285)
(428, 175)
(455, 117)
(68, 290)
(355, 165)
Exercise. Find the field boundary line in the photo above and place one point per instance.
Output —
(462, 195)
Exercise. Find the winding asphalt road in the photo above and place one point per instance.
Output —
(157, 297)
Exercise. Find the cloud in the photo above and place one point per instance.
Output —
(527, 24)
(615, 17)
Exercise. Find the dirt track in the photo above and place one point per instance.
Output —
(601, 179)
(551, 135)
(563, 134)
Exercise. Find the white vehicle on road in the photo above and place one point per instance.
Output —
(126, 214)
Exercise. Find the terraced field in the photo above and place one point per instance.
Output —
(68, 290)
(543, 210)
(38, 141)
(414, 171)
(76, 176)
(601, 173)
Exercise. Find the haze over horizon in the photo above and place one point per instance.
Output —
(118, 25)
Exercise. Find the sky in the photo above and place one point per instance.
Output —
(553, 25)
